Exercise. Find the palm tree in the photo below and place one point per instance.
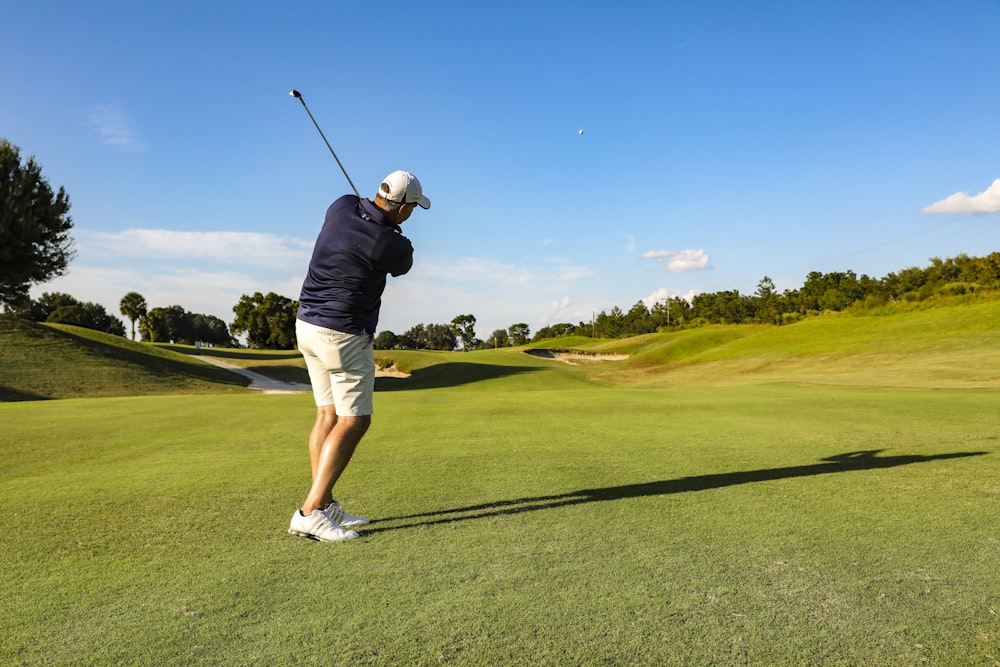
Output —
(133, 306)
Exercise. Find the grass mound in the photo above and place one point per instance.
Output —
(954, 345)
(44, 361)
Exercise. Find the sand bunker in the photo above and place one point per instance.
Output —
(574, 357)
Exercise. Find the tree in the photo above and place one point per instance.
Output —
(464, 327)
(211, 330)
(499, 338)
(670, 312)
(609, 325)
(556, 330)
(427, 337)
(268, 321)
(172, 324)
(386, 340)
(727, 307)
(153, 326)
(638, 320)
(133, 306)
(414, 338)
(440, 337)
(35, 244)
(519, 334)
(766, 300)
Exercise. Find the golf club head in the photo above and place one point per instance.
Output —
(296, 94)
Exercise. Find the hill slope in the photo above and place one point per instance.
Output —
(41, 361)
(955, 344)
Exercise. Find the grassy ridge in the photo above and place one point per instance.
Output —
(39, 361)
(956, 344)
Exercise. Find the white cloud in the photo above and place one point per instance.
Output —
(679, 261)
(663, 293)
(243, 248)
(203, 272)
(474, 270)
(116, 129)
(497, 293)
(987, 201)
(208, 291)
(208, 272)
(491, 272)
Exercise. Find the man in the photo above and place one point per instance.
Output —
(360, 243)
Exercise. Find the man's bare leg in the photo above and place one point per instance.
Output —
(326, 419)
(332, 456)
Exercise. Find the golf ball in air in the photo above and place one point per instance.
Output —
(580, 132)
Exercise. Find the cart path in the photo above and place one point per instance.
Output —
(259, 382)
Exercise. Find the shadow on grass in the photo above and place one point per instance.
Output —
(450, 374)
(156, 365)
(851, 461)
(11, 395)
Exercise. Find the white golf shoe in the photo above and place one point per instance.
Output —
(319, 526)
(339, 516)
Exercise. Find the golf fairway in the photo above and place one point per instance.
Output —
(529, 517)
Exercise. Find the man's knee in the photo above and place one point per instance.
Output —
(356, 424)
(326, 415)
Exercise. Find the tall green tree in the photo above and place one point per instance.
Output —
(557, 330)
(766, 302)
(133, 306)
(519, 334)
(172, 324)
(440, 337)
(414, 338)
(211, 330)
(153, 326)
(499, 338)
(386, 340)
(35, 243)
(464, 327)
(267, 320)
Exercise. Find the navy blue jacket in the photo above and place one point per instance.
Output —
(357, 247)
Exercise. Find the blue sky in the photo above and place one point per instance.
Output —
(723, 141)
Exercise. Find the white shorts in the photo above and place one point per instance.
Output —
(341, 368)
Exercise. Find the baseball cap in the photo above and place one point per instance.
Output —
(403, 187)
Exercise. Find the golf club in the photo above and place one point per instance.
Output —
(297, 95)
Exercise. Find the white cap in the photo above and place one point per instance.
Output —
(404, 188)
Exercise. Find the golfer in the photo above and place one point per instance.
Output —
(360, 243)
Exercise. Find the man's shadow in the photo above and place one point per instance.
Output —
(851, 461)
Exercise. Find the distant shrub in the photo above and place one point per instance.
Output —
(957, 289)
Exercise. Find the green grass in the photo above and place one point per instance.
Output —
(39, 361)
(571, 526)
(744, 496)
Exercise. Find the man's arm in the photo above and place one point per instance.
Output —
(395, 254)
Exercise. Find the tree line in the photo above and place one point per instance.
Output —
(821, 292)
(36, 246)
(267, 321)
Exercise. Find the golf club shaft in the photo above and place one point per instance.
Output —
(298, 95)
